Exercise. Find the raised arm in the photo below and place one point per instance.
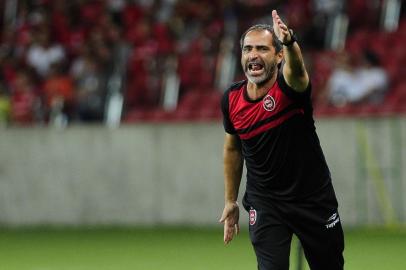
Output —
(294, 69)
(233, 165)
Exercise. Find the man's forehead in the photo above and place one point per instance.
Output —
(258, 37)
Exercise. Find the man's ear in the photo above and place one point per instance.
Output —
(279, 56)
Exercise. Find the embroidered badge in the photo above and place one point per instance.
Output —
(269, 103)
(253, 216)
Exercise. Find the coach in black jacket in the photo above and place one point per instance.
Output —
(269, 124)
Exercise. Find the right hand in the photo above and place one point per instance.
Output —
(280, 28)
(229, 218)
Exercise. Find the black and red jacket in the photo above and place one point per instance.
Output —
(280, 146)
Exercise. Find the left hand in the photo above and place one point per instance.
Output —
(280, 28)
(229, 218)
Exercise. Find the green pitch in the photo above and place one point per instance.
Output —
(172, 249)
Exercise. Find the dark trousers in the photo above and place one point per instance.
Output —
(316, 224)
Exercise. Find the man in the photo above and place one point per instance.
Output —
(363, 83)
(269, 125)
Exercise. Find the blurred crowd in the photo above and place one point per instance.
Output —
(57, 57)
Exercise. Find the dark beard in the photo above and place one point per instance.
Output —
(273, 69)
(269, 73)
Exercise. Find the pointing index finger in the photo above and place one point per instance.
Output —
(274, 13)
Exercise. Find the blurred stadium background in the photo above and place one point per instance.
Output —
(111, 134)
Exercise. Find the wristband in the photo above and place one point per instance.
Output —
(292, 39)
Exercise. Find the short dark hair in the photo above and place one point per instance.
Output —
(263, 27)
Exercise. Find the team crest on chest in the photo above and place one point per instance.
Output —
(253, 216)
(269, 103)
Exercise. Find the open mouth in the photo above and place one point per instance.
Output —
(255, 68)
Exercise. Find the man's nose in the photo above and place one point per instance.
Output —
(253, 55)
